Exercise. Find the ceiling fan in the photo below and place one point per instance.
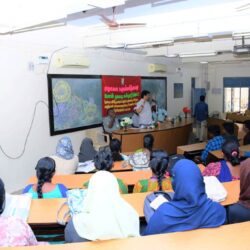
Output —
(113, 24)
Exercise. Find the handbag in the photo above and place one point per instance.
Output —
(73, 205)
(214, 189)
(149, 206)
(140, 159)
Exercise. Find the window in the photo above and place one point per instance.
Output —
(236, 94)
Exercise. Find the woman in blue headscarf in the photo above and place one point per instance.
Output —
(66, 161)
(190, 207)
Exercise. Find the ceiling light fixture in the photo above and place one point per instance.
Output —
(184, 55)
(149, 44)
(105, 4)
(241, 34)
(37, 27)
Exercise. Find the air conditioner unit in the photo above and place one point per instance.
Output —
(241, 50)
(71, 61)
(157, 68)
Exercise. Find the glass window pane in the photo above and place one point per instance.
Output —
(227, 100)
(235, 99)
(244, 99)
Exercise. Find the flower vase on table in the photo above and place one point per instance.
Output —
(125, 122)
(186, 110)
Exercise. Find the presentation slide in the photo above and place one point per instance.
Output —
(76, 103)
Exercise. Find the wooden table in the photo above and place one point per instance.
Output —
(191, 147)
(219, 155)
(167, 136)
(119, 166)
(229, 237)
(77, 180)
(43, 211)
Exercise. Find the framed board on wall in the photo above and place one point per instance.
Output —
(158, 89)
(75, 102)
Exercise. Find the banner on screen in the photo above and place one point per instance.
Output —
(121, 93)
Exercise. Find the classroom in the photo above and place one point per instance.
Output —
(117, 115)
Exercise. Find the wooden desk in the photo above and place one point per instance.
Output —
(191, 147)
(43, 211)
(219, 155)
(119, 166)
(230, 237)
(167, 136)
(76, 181)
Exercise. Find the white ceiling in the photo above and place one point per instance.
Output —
(186, 22)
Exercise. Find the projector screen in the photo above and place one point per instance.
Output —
(75, 102)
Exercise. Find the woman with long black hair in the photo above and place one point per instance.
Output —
(45, 170)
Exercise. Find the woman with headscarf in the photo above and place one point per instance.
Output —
(66, 161)
(87, 151)
(106, 215)
(240, 211)
(14, 231)
(190, 207)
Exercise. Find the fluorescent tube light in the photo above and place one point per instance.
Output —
(172, 56)
(116, 46)
(183, 55)
(149, 44)
(241, 34)
(104, 4)
(37, 27)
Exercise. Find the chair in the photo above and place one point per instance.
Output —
(100, 138)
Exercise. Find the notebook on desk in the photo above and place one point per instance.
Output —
(17, 206)
(86, 167)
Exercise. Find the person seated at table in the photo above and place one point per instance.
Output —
(14, 232)
(106, 215)
(229, 168)
(110, 122)
(66, 161)
(228, 132)
(45, 170)
(103, 161)
(246, 139)
(240, 211)
(148, 142)
(115, 147)
(190, 208)
(139, 160)
(87, 150)
(159, 181)
(214, 143)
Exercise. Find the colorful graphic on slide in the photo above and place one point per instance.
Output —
(76, 102)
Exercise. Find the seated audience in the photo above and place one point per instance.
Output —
(240, 211)
(14, 232)
(159, 181)
(228, 132)
(215, 141)
(228, 169)
(87, 151)
(115, 147)
(190, 208)
(106, 215)
(103, 161)
(66, 161)
(246, 139)
(110, 122)
(45, 170)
